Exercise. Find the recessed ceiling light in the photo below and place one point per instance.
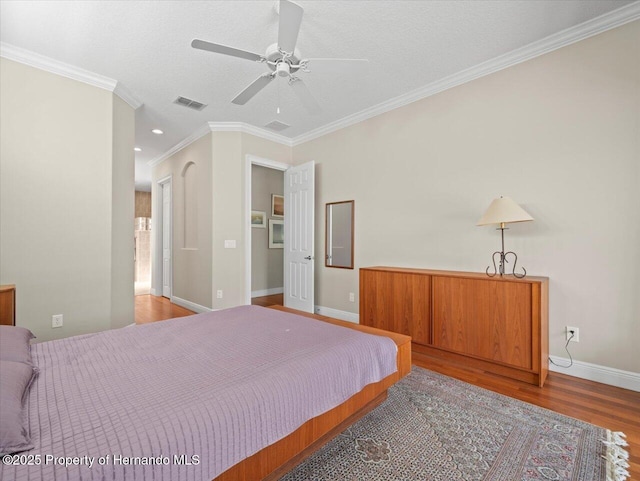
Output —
(137, 149)
(157, 131)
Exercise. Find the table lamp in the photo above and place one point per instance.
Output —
(504, 211)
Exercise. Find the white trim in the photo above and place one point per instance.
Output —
(201, 132)
(592, 27)
(220, 127)
(593, 372)
(125, 94)
(153, 292)
(156, 239)
(63, 69)
(190, 305)
(270, 164)
(250, 129)
(337, 314)
(267, 292)
(250, 159)
(57, 67)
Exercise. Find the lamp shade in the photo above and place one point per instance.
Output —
(504, 210)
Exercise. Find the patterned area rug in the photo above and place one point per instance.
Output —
(436, 428)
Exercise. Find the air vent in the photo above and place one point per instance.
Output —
(277, 126)
(192, 104)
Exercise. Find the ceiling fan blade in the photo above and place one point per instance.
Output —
(334, 65)
(223, 49)
(289, 27)
(256, 86)
(305, 96)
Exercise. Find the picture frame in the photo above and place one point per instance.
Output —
(276, 234)
(277, 205)
(258, 219)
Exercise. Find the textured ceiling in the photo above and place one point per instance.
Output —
(145, 45)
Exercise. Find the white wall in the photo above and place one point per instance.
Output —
(64, 155)
(559, 134)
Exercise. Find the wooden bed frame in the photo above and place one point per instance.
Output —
(278, 458)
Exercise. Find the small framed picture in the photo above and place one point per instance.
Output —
(258, 219)
(276, 234)
(277, 205)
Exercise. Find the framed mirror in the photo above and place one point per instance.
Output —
(339, 234)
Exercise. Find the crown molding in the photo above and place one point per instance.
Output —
(125, 94)
(608, 21)
(201, 132)
(42, 62)
(63, 69)
(221, 127)
(250, 129)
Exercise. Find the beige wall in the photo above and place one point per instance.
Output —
(266, 264)
(559, 134)
(198, 275)
(191, 265)
(64, 156)
(122, 209)
(229, 159)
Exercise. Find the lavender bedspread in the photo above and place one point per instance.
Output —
(188, 398)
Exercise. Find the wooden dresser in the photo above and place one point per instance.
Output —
(8, 305)
(497, 324)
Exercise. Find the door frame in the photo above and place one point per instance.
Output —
(157, 226)
(248, 162)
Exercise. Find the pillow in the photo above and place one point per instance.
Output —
(15, 379)
(14, 344)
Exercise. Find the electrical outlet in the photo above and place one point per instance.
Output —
(352, 297)
(219, 294)
(56, 321)
(576, 333)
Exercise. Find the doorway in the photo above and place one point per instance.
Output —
(142, 247)
(162, 277)
(250, 161)
(267, 239)
(298, 228)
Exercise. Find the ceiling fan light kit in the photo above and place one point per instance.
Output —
(282, 58)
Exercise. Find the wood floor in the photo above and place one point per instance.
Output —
(607, 406)
(155, 308)
(266, 301)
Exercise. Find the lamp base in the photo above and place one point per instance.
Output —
(502, 260)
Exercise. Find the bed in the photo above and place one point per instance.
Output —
(238, 394)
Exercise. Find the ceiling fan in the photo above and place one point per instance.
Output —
(282, 59)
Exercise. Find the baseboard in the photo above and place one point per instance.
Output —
(267, 292)
(593, 372)
(154, 292)
(192, 306)
(342, 315)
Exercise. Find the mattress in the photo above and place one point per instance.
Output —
(186, 399)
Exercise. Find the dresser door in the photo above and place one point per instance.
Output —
(397, 302)
(488, 319)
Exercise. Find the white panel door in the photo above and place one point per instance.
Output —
(299, 205)
(166, 239)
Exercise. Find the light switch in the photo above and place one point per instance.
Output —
(230, 244)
